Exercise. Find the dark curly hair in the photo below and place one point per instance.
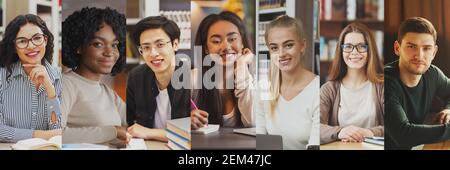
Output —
(7, 46)
(79, 28)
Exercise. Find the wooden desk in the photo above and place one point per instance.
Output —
(156, 145)
(151, 145)
(338, 145)
(437, 146)
(5, 146)
(223, 139)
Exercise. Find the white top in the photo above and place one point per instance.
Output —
(163, 109)
(296, 120)
(90, 110)
(357, 106)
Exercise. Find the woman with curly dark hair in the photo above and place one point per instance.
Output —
(30, 88)
(93, 46)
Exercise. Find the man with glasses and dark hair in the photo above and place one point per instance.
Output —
(151, 98)
(411, 84)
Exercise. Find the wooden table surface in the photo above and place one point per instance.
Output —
(151, 145)
(338, 145)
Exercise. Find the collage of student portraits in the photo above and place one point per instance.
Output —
(224, 75)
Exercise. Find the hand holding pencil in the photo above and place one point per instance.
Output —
(199, 118)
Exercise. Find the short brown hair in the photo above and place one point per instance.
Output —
(374, 67)
(416, 25)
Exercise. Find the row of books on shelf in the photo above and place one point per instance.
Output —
(262, 26)
(183, 20)
(352, 9)
(328, 46)
(269, 4)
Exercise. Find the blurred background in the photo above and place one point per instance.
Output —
(435, 11)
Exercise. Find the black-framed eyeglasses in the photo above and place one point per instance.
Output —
(37, 39)
(348, 48)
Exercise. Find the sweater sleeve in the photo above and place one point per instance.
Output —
(243, 91)
(314, 137)
(378, 130)
(328, 133)
(401, 131)
(443, 87)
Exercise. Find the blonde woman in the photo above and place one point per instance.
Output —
(293, 110)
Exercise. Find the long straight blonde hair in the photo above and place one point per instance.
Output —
(275, 78)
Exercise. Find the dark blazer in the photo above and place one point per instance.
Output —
(141, 98)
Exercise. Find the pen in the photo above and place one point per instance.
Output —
(195, 107)
(193, 104)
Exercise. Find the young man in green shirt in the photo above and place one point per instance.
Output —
(411, 83)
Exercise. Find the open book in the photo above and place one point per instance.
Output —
(207, 129)
(53, 143)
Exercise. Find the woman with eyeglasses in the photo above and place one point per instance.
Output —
(93, 41)
(152, 98)
(30, 87)
(352, 102)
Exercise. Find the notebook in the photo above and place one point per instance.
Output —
(207, 129)
(375, 140)
(246, 131)
(53, 143)
(136, 144)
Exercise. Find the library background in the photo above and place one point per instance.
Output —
(322, 21)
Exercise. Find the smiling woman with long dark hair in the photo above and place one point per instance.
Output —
(223, 39)
(30, 88)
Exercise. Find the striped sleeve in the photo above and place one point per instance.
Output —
(10, 134)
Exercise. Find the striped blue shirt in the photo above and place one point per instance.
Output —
(22, 108)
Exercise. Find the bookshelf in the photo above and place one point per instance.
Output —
(2, 17)
(337, 14)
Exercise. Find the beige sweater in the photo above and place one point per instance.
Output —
(329, 107)
(90, 110)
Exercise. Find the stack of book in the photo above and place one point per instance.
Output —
(179, 133)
